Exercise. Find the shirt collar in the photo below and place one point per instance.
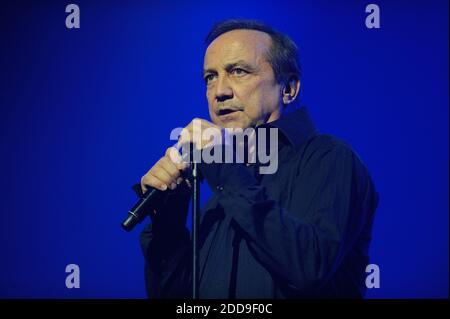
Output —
(296, 125)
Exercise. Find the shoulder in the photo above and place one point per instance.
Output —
(325, 152)
(322, 146)
(329, 153)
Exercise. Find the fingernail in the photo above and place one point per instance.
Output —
(173, 186)
(179, 180)
(164, 187)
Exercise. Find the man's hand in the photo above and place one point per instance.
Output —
(166, 173)
(201, 133)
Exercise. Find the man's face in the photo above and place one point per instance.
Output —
(241, 86)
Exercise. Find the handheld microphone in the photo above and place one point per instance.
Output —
(152, 196)
(139, 211)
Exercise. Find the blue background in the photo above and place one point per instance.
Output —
(85, 113)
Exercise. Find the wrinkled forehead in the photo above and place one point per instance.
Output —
(249, 45)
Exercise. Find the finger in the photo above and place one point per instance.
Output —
(143, 186)
(185, 136)
(170, 168)
(174, 155)
(160, 173)
(150, 180)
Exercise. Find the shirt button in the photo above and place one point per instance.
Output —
(219, 188)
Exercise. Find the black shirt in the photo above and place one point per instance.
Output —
(303, 231)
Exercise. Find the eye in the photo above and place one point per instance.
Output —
(209, 77)
(238, 72)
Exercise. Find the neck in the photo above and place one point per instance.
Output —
(274, 115)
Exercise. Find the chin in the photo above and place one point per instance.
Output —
(236, 125)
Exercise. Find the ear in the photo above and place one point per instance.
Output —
(291, 90)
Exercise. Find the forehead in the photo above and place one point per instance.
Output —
(249, 45)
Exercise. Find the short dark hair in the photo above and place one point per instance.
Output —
(283, 54)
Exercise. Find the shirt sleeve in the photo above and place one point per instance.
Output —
(165, 244)
(303, 248)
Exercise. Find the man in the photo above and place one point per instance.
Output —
(303, 231)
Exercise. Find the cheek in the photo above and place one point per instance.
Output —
(209, 98)
(272, 98)
(212, 114)
(210, 101)
(261, 99)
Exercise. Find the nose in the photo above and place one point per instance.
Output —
(223, 89)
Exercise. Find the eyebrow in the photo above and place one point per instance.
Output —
(230, 66)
